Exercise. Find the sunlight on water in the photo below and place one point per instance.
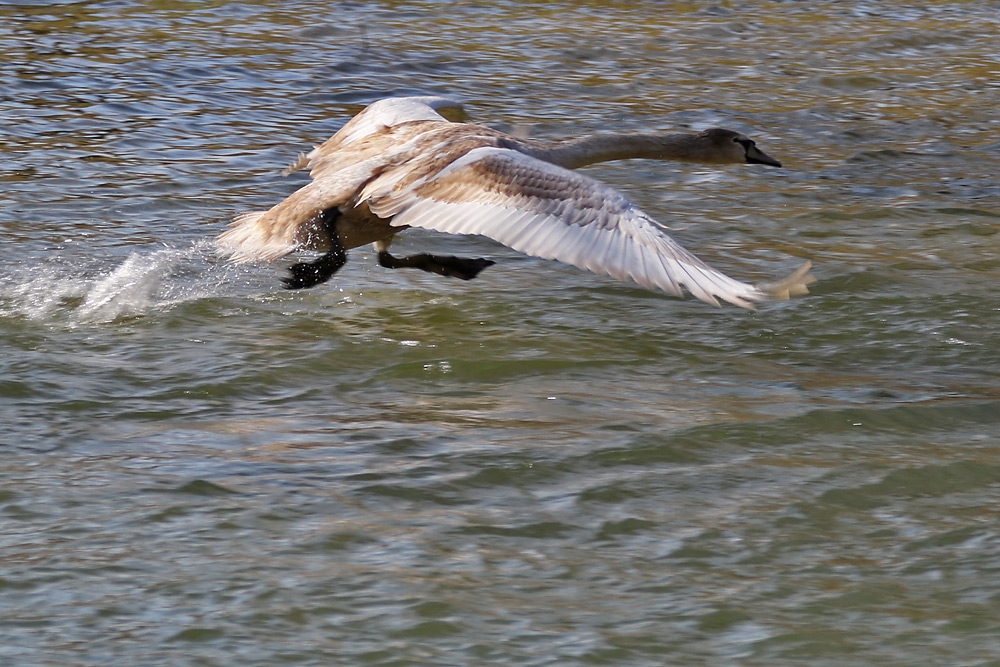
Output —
(540, 466)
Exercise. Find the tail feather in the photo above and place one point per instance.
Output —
(793, 285)
(248, 239)
(292, 224)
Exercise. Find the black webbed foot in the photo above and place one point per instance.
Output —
(444, 265)
(465, 268)
(310, 274)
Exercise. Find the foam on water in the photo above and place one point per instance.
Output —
(79, 290)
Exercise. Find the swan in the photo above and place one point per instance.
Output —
(399, 163)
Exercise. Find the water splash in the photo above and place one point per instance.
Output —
(130, 289)
(77, 291)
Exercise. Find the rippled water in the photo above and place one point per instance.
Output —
(541, 466)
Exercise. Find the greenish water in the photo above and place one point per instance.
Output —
(541, 466)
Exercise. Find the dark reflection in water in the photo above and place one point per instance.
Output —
(540, 466)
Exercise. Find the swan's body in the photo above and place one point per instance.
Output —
(400, 164)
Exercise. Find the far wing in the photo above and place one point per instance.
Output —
(554, 213)
(393, 111)
(375, 119)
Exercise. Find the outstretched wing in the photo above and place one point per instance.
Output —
(543, 210)
(373, 120)
(393, 111)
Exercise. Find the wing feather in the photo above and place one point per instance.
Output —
(374, 122)
(550, 212)
(614, 257)
(393, 111)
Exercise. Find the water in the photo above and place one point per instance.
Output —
(540, 466)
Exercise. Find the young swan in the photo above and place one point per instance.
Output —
(400, 164)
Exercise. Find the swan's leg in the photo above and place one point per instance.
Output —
(310, 274)
(445, 265)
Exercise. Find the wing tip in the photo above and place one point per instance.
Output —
(795, 284)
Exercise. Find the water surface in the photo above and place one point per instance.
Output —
(540, 466)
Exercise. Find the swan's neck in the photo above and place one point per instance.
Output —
(575, 153)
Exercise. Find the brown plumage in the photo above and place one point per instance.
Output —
(400, 164)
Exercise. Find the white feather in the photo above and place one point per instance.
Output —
(602, 240)
(394, 111)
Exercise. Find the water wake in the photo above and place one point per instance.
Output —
(85, 291)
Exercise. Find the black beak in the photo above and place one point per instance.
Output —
(757, 156)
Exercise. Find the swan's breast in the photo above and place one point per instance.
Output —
(358, 226)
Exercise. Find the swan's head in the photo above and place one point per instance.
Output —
(726, 146)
